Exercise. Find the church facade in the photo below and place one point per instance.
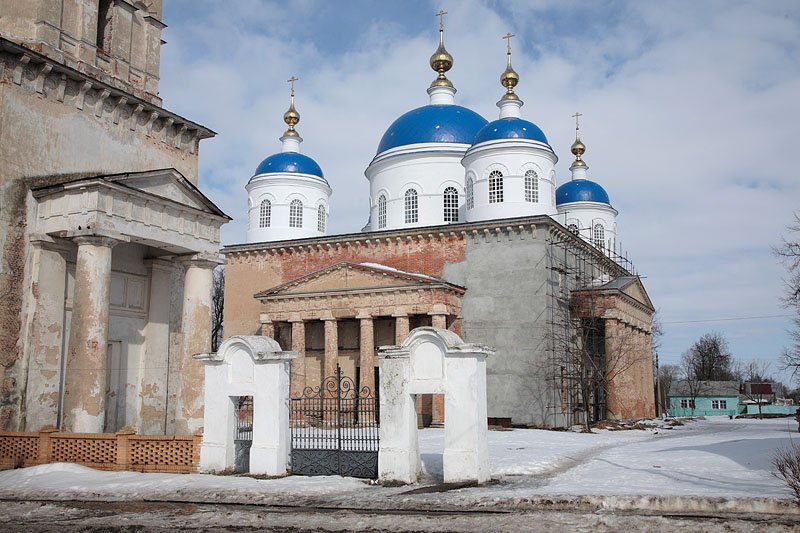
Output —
(468, 231)
(107, 244)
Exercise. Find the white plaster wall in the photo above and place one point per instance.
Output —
(280, 190)
(429, 168)
(513, 158)
(585, 215)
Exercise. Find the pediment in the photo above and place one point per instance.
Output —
(169, 184)
(354, 277)
(164, 184)
(635, 289)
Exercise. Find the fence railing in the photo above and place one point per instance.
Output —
(123, 450)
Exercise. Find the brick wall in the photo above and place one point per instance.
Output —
(249, 272)
(123, 450)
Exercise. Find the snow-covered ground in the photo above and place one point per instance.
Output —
(716, 457)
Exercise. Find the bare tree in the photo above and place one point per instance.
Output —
(789, 254)
(217, 307)
(709, 359)
(668, 375)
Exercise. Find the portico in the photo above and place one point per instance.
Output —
(135, 254)
(342, 313)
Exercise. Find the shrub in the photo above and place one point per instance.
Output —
(787, 466)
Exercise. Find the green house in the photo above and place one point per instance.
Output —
(704, 398)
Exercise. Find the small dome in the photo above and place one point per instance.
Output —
(433, 124)
(581, 191)
(293, 162)
(510, 128)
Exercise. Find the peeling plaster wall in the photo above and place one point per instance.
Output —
(46, 136)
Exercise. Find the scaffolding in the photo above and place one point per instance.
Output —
(575, 264)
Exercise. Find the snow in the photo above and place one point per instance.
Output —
(717, 457)
(379, 266)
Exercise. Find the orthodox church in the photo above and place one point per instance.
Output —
(469, 230)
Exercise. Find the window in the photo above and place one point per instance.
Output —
(321, 219)
(495, 187)
(450, 205)
(531, 186)
(296, 214)
(687, 404)
(599, 235)
(104, 19)
(573, 228)
(412, 206)
(470, 193)
(381, 211)
(265, 214)
(719, 404)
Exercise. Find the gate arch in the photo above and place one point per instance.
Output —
(247, 366)
(434, 361)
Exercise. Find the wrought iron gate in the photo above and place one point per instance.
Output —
(335, 429)
(243, 438)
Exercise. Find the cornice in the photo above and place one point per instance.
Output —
(51, 79)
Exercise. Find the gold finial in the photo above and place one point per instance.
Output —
(291, 117)
(441, 60)
(509, 78)
(578, 148)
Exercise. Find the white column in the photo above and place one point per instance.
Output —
(85, 374)
(196, 328)
(155, 377)
(43, 333)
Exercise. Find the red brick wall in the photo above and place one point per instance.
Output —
(11, 281)
(250, 272)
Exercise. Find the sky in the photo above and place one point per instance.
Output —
(688, 109)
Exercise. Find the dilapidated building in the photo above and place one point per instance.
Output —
(107, 244)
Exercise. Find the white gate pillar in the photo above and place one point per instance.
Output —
(247, 366)
(398, 453)
(434, 361)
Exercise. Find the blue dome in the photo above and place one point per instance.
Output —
(433, 124)
(290, 162)
(510, 128)
(581, 191)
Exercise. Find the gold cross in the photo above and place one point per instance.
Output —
(441, 15)
(508, 37)
(292, 80)
(577, 116)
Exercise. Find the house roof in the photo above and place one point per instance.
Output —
(704, 388)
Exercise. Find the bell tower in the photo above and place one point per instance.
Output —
(118, 39)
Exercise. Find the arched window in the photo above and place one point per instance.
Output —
(265, 214)
(531, 186)
(470, 193)
(599, 235)
(381, 211)
(573, 228)
(296, 214)
(450, 204)
(321, 219)
(412, 206)
(495, 187)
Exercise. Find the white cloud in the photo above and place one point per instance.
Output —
(689, 117)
